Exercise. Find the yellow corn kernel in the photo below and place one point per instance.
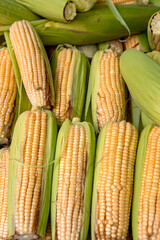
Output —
(31, 62)
(4, 173)
(71, 182)
(63, 82)
(149, 204)
(103, 2)
(111, 94)
(115, 181)
(132, 42)
(8, 91)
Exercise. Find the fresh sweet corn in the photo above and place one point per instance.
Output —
(8, 91)
(141, 75)
(113, 181)
(106, 90)
(30, 173)
(70, 69)
(33, 64)
(72, 181)
(4, 175)
(146, 204)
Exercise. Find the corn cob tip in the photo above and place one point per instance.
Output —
(116, 46)
(70, 11)
(154, 32)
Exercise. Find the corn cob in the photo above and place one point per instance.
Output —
(70, 68)
(146, 205)
(113, 181)
(33, 64)
(8, 90)
(31, 161)
(145, 93)
(153, 32)
(4, 171)
(72, 181)
(106, 89)
(139, 42)
(61, 11)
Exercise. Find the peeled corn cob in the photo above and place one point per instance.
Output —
(33, 64)
(70, 68)
(146, 204)
(106, 89)
(72, 181)
(145, 93)
(31, 161)
(4, 172)
(8, 90)
(113, 181)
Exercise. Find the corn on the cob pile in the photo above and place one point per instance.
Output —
(113, 180)
(27, 187)
(72, 181)
(8, 90)
(4, 174)
(33, 64)
(106, 89)
(146, 205)
(70, 69)
(30, 173)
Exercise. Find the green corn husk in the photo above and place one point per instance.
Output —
(61, 11)
(61, 142)
(83, 5)
(153, 32)
(106, 139)
(17, 165)
(139, 168)
(10, 11)
(141, 75)
(136, 113)
(95, 26)
(154, 2)
(95, 82)
(88, 50)
(155, 55)
(79, 77)
(145, 120)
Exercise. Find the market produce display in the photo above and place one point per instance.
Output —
(80, 119)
